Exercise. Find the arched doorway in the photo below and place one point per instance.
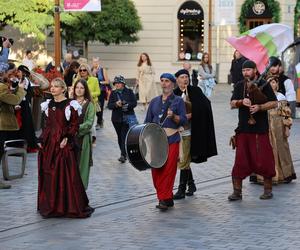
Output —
(191, 31)
(258, 12)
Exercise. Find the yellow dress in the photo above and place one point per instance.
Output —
(279, 122)
(147, 86)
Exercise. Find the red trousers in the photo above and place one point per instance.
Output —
(253, 155)
(163, 178)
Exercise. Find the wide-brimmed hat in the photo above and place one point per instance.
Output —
(119, 79)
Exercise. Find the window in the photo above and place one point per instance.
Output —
(252, 23)
(258, 14)
(191, 31)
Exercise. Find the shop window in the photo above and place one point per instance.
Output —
(191, 31)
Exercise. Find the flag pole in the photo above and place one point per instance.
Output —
(57, 38)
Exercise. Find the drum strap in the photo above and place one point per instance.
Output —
(164, 115)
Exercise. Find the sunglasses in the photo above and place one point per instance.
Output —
(83, 70)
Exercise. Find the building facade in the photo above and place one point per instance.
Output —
(178, 30)
(175, 31)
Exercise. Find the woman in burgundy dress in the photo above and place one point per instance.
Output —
(60, 191)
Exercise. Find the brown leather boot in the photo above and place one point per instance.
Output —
(237, 190)
(267, 189)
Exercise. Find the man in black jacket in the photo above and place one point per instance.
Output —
(198, 141)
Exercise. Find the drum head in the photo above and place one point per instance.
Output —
(154, 145)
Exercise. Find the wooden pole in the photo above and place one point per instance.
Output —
(57, 38)
(209, 28)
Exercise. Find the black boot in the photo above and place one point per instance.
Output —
(182, 186)
(191, 184)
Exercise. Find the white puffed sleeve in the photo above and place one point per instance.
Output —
(45, 105)
(76, 106)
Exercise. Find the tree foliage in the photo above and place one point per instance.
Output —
(117, 22)
(29, 16)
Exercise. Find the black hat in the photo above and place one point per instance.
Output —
(275, 61)
(182, 72)
(119, 79)
(248, 64)
(25, 70)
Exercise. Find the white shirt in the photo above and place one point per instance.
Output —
(29, 63)
(280, 97)
(290, 92)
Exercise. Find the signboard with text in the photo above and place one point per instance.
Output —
(82, 5)
(225, 12)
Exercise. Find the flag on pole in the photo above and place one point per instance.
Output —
(260, 43)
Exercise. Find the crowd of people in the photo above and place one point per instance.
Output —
(183, 109)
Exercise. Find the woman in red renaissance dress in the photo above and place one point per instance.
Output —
(60, 190)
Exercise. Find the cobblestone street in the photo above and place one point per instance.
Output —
(124, 198)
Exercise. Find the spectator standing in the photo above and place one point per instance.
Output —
(122, 102)
(145, 80)
(26, 128)
(10, 95)
(236, 68)
(70, 74)
(207, 75)
(102, 76)
(28, 61)
(5, 50)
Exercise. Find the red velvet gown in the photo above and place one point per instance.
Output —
(60, 190)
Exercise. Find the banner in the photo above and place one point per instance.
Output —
(225, 12)
(82, 5)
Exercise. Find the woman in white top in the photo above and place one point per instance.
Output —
(207, 75)
(145, 80)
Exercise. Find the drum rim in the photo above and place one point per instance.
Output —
(149, 123)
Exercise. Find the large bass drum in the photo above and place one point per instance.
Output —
(147, 146)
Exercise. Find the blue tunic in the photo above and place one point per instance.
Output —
(157, 108)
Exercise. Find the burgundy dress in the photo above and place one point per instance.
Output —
(60, 190)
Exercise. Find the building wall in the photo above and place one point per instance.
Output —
(159, 38)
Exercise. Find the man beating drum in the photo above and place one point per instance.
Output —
(168, 110)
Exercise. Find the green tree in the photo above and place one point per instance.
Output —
(29, 16)
(117, 22)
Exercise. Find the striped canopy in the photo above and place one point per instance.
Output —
(262, 42)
